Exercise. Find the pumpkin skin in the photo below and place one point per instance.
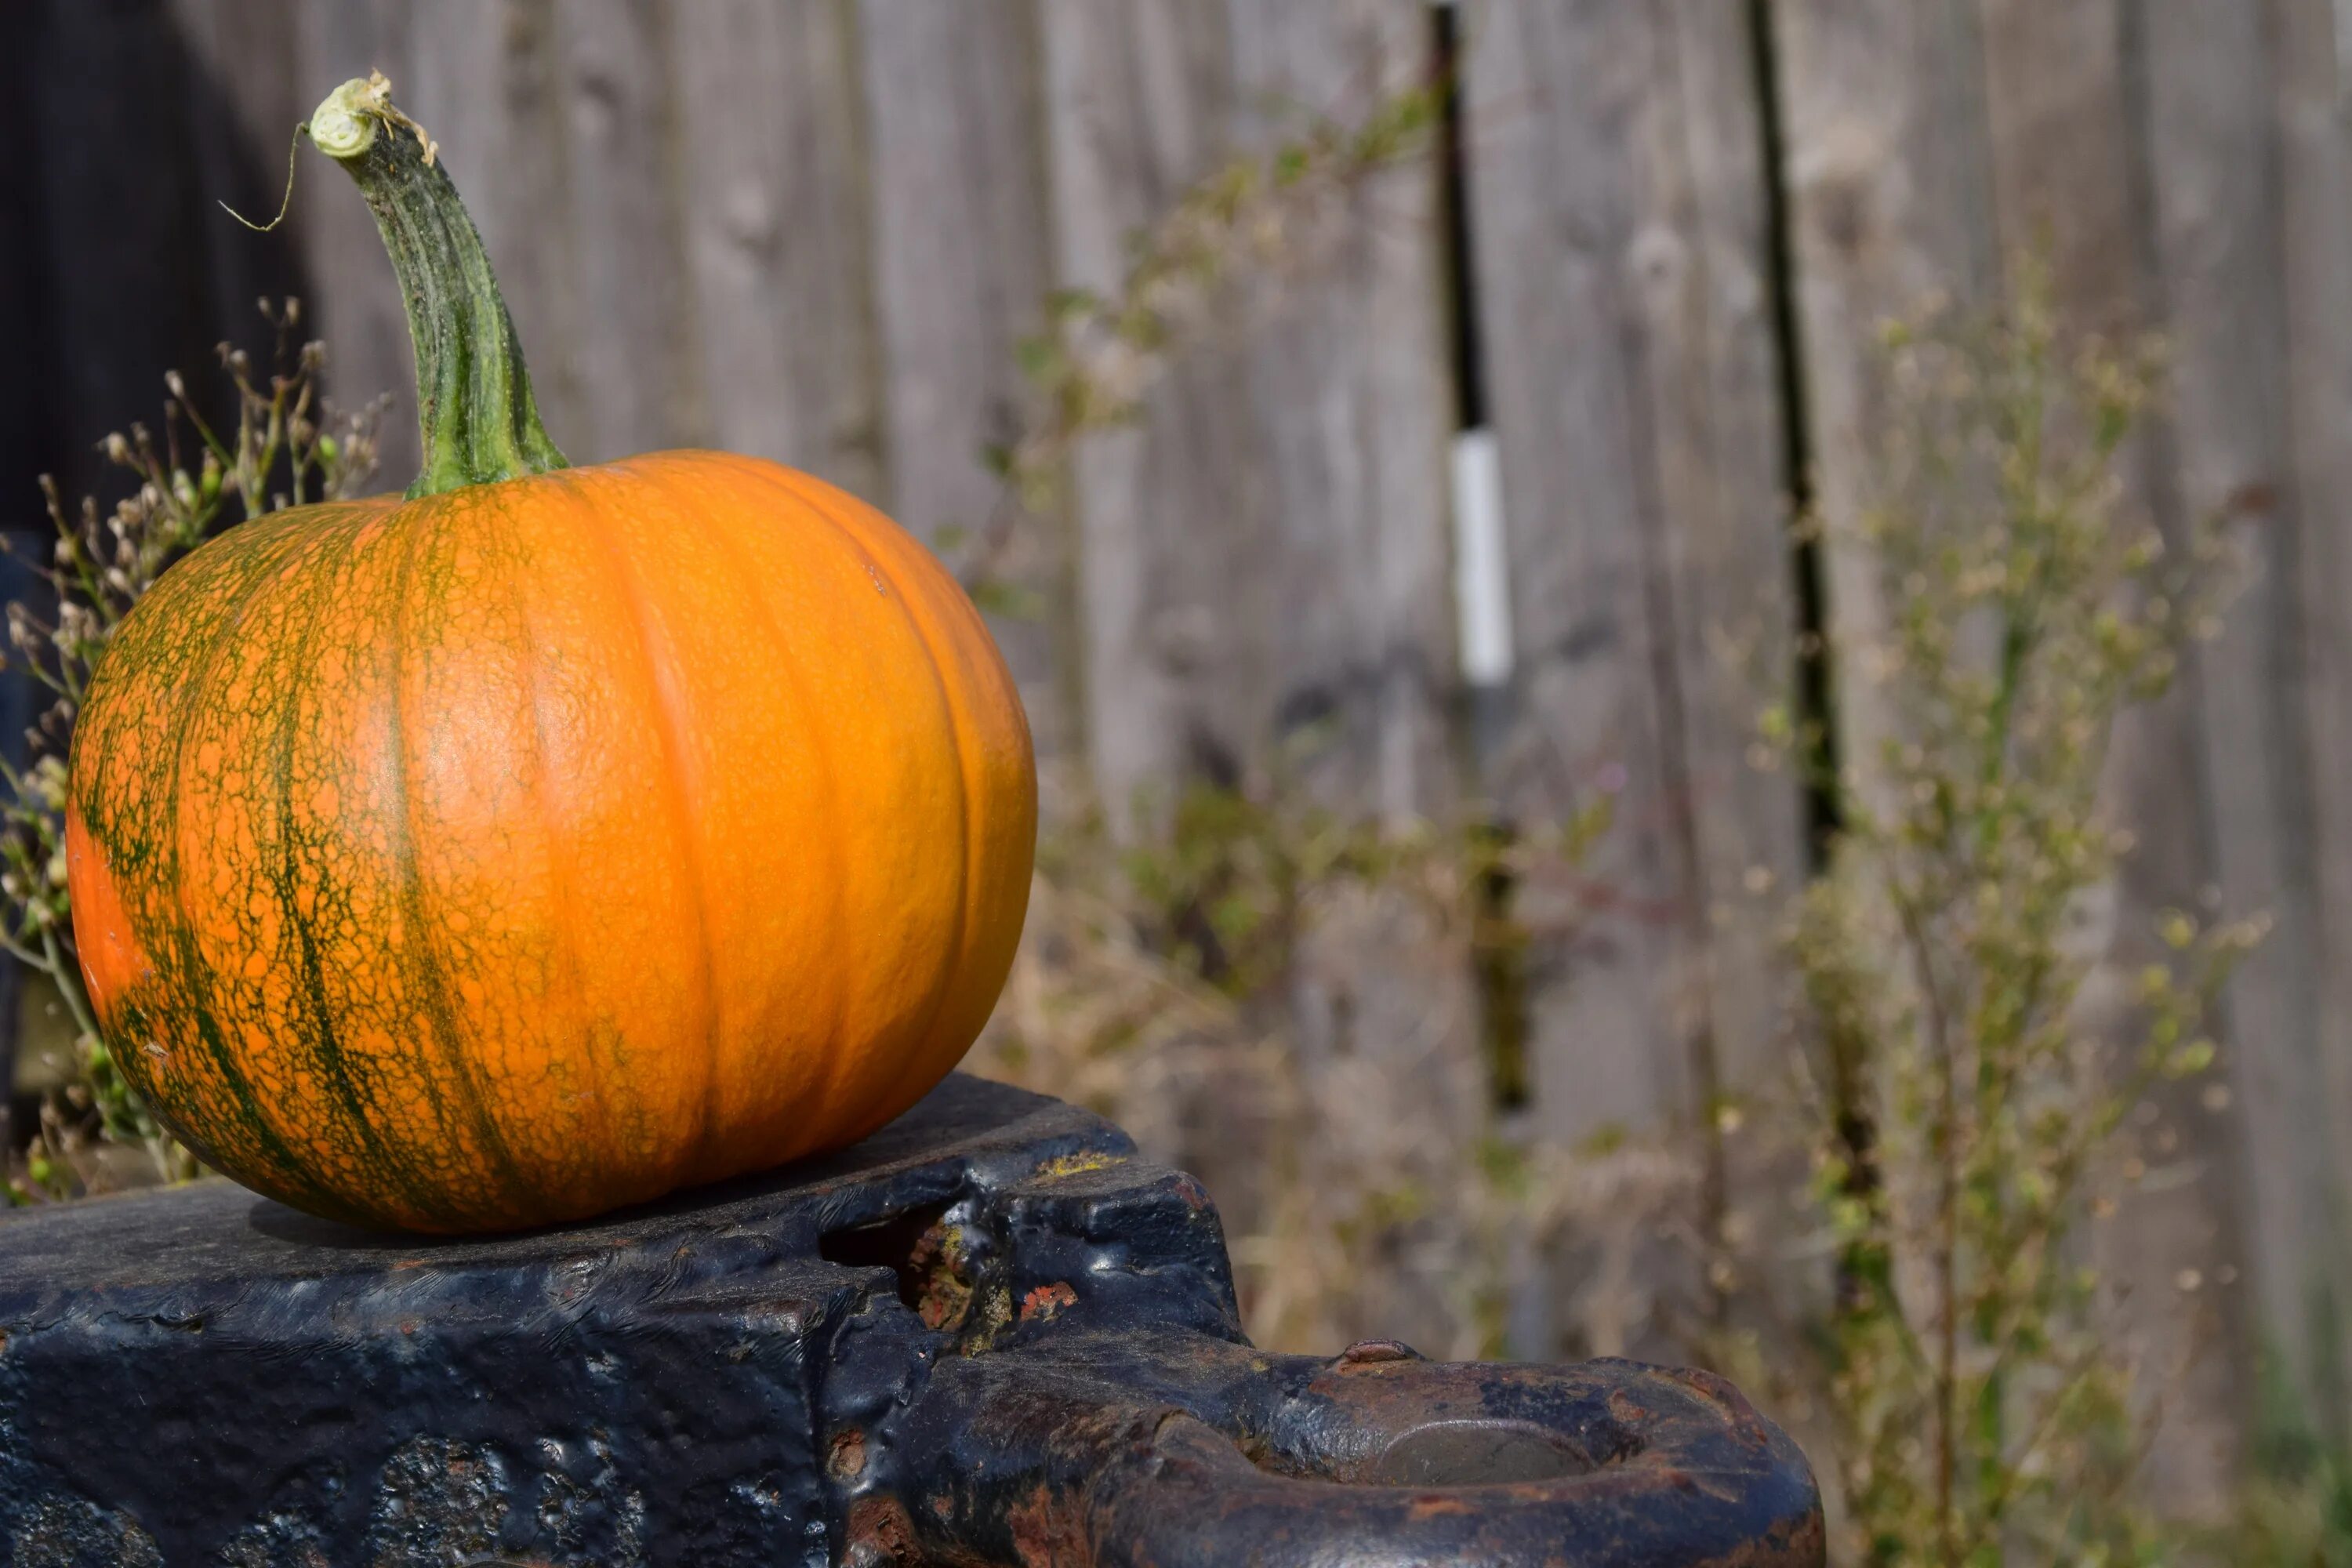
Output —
(513, 853)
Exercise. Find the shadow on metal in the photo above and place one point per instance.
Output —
(988, 1335)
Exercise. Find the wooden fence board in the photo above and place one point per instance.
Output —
(641, 219)
(771, 161)
(1227, 602)
(1622, 271)
(1137, 103)
(2217, 224)
(1929, 150)
(463, 70)
(567, 130)
(1263, 558)
(2063, 90)
(1349, 405)
(2315, 123)
(355, 301)
(486, 82)
(1890, 205)
(1702, 279)
(962, 259)
(1552, 113)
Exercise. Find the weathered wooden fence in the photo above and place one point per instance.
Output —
(815, 229)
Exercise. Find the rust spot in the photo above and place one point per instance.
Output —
(944, 1507)
(879, 1532)
(1710, 1387)
(1045, 1535)
(1046, 1300)
(847, 1459)
(1373, 1352)
(1800, 1544)
(1725, 1402)
(1435, 1504)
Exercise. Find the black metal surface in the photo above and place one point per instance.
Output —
(989, 1335)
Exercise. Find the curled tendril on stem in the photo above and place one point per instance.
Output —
(286, 203)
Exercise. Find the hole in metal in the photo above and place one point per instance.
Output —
(1473, 1453)
(927, 1248)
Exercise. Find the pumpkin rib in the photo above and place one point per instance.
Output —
(837, 870)
(427, 974)
(951, 970)
(677, 758)
(286, 1168)
(319, 1038)
(564, 894)
(953, 629)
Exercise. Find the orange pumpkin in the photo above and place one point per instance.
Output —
(548, 838)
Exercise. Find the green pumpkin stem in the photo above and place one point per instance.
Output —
(473, 397)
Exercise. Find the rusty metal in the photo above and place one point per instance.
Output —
(989, 1335)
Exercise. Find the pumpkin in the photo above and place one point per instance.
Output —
(548, 838)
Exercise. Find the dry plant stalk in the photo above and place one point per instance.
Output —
(287, 449)
(1368, 1183)
(1099, 354)
(1965, 1119)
